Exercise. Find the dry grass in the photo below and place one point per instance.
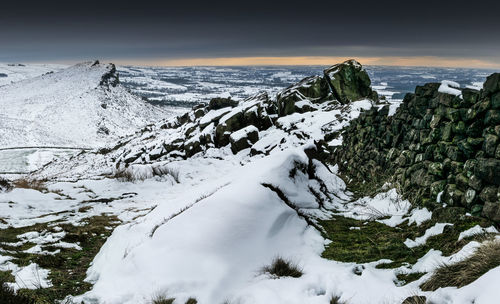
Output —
(4, 185)
(162, 171)
(27, 183)
(283, 268)
(161, 299)
(8, 296)
(128, 175)
(336, 300)
(415, 300)
(467, 271)
(124, 175)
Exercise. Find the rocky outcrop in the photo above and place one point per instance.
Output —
(441, 146)
(344, 82)
(110, 78)
(224, 121)
(349, 82)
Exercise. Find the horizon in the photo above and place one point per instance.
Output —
(423, 62)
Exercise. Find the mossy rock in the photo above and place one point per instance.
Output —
(349, 82)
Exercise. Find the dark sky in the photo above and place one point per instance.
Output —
(77, 30)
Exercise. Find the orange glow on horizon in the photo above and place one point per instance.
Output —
(318, 60)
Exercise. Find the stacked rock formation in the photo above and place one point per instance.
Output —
(441, 146)
(224, 121)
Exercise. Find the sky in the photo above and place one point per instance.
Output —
(436, 33)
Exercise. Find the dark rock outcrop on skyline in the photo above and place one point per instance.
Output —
(349, 82)
(344, 82)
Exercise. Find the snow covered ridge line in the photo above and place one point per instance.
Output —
(82, 105)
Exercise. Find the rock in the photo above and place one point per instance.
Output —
(436, 169)
(490, 144)
(489, 194)
(437, 187)
(312, 89)
(110, 78)
(475, 183)
(469, 97)
(349, 82)
(220, 102)
(492, 118)
(488, 169)
(243, 138)
(491, 210)
(492, 84)
(427, 90)
(470, 196)
(495, 101)
(192, 146)
(448, 214)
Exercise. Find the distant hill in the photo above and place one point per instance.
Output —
(82, 105)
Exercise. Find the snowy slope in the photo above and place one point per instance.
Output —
(13, 72)
(70, 108)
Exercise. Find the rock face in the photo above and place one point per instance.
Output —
(344, 82)
(348, 82)
(436, 144)
(244, 138)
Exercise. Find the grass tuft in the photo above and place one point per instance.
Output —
(8, 296)
(283, 268)
(5, 185)
(336, 300)
(467, 271)
(161, 299)
(415, 300)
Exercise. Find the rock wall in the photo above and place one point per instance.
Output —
(441, 146)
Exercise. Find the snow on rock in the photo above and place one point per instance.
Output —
(80, 106)
(450, 87)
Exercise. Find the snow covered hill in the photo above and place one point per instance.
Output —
(80, 106)
(13, 72)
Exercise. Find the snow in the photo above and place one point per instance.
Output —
(438, 228)
(482, 291)
(476, 230)
(30, 277)
(242, 133)
(385, 204)
(450, 87)
(419, 215)
(241, 225)
(208, 233)
(33, 114)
